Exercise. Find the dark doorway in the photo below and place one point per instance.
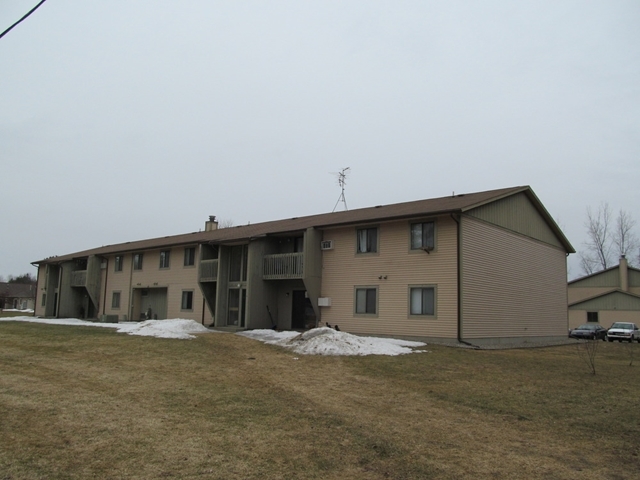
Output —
(302, 315)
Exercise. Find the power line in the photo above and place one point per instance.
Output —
(22, 19)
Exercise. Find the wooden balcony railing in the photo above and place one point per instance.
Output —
(209, 270)
(79, 278)
(283, 266)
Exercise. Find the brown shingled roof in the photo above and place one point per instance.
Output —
(450, 204)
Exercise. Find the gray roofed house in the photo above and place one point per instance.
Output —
(480, 267)
(17, 296)
(606, 297)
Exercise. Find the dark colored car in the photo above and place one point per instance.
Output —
(591, 331)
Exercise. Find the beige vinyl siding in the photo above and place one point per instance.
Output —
(343, 270)
(118, 282)
(512, 286)
(518, 214)
(175, 279)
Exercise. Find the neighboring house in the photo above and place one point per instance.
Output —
(481, 267)
(18, 296)
(605, 297)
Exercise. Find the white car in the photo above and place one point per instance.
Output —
(624, 331)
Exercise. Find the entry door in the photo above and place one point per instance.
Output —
(236, 307)
(298, 310)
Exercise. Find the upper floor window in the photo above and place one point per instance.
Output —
(118, 263)
(423, 236)
(189, 256)
(238, 263)
(164, 258)
(367, 240)
(422, 301)
(137, 261)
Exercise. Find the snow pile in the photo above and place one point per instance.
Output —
(26, 310)
(327, 341)
(174, 328)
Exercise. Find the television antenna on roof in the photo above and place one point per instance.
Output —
(342, 181)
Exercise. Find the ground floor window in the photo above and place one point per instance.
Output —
(592, 317)
(366, 300)
(187, 300)
(422, 300)
(115, 300)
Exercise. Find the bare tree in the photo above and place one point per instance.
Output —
(624, 239)
(587, 350)
(225, 223)
(597, 254)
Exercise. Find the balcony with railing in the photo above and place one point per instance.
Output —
(79, 278)
(209, 270)
(283, 266)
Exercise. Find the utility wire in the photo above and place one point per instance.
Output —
(24, 17)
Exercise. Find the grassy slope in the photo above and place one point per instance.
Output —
(87, 402)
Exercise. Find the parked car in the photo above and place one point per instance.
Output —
(591, 331)
(624, 331)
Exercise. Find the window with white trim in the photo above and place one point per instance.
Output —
(367, 239)
(366, 300)
(118, 263)
(423, 236)
(137, 261)
(164, 258)
(187, 300)
(115, 300)
(189, 256)
(422, 301)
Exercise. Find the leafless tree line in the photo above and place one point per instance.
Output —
(608, 238)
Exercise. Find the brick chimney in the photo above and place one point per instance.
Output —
(212, 224)
(624, 274)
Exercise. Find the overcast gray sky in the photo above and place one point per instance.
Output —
(125, 120)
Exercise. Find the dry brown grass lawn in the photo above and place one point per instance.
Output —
(90, 403)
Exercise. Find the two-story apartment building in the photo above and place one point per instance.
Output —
(480, 267)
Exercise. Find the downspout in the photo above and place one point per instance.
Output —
(459, 275)
(106, 278)
(131, 289)
(59, 288)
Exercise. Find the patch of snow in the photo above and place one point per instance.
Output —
(327, 341)
(26, 310)
(174, 328)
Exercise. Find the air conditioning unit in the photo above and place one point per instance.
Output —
(326, 245)
(324, 301)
